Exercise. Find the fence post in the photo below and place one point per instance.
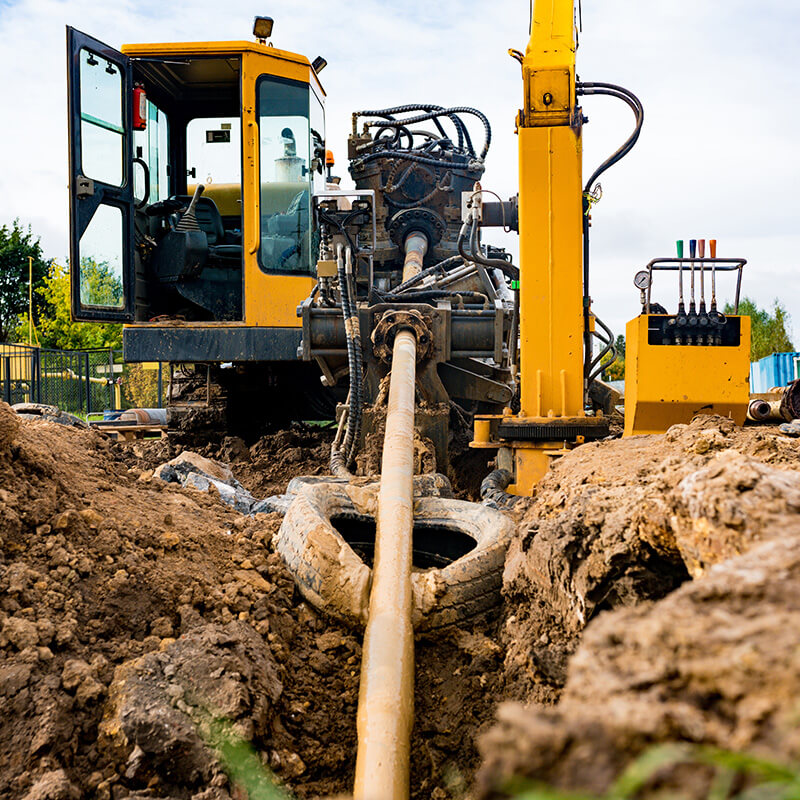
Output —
(88, 387)
(7, 380)
(37, 373)
(111, 379)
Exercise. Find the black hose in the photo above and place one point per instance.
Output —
(388, 113)
(610, 90)
(507, 268)
(430, 294)
(450, 112)
(415, 279)
(359, 383)
(340, 458)
(493, 490)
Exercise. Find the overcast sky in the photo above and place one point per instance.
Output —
(718, 78)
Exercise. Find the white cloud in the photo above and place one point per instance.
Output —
(718, 78)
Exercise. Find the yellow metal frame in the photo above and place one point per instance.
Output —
(270, 300)
(669, 384)
(551, 235)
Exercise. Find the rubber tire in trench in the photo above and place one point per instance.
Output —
(49, 413)
(333, 578)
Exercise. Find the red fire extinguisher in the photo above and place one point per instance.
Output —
(139, 108)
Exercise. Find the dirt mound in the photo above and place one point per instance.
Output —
(131, 610)
(616, 523)
(103, 570)
(716, 663)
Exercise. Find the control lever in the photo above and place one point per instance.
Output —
(692, 316)
(680, 320)
(702, 320)
(715, 317)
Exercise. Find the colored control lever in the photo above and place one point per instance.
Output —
(692, 316)
(680, 318)
(702, 319)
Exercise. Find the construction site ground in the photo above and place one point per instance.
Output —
(651, 594)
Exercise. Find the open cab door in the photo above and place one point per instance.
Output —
(100, 89)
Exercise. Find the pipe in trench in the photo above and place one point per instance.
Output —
(386, 693)
(416, 246)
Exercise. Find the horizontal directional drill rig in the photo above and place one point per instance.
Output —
(201, 215)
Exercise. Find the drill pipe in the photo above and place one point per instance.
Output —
(386, 694)
(763, 410)
(416, 246)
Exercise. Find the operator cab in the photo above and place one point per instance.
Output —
(176, 215)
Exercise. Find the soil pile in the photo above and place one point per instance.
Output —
(622, 527)
(133, 613)
(620, 522)
(714, 663)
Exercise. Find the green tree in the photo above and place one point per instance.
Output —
(56, 328)
(615, 371)
(17, 245)
(769, 331)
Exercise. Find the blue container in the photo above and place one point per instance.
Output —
(774, 370)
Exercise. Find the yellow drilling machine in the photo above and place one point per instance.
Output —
(202, 217)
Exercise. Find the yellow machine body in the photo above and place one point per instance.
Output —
(550, 228)
(245, 120)
(269, 300)
(670, 384)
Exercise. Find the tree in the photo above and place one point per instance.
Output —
(17, 245)
(56, 328)
(615, 371)
(769, 331)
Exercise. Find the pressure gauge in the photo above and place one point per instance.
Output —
(642, 280)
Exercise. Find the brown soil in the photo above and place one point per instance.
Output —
(132, 610)
(133, 613)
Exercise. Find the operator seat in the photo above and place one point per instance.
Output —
(210, 221)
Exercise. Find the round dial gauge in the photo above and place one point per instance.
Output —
(642, 279)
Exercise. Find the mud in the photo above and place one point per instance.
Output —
(650, 594)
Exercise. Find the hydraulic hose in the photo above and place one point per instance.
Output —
(415, 279)
(610, 90)
(508, 269)
(388, 113)
(493, 490)
(448, 112)
(425, 295)
(343, 452)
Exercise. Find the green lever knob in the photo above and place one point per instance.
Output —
(679, 245)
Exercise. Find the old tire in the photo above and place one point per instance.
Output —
(49, 413)
(332, 577)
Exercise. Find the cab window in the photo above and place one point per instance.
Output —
(152, 146)
(285, 157)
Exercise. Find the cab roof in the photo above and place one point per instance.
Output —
(237, 48)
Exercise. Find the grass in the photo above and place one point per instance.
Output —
(763, 779)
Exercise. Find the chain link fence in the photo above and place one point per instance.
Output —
(81, 382)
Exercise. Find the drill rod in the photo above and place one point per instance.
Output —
(386, 694)
(416, 246)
